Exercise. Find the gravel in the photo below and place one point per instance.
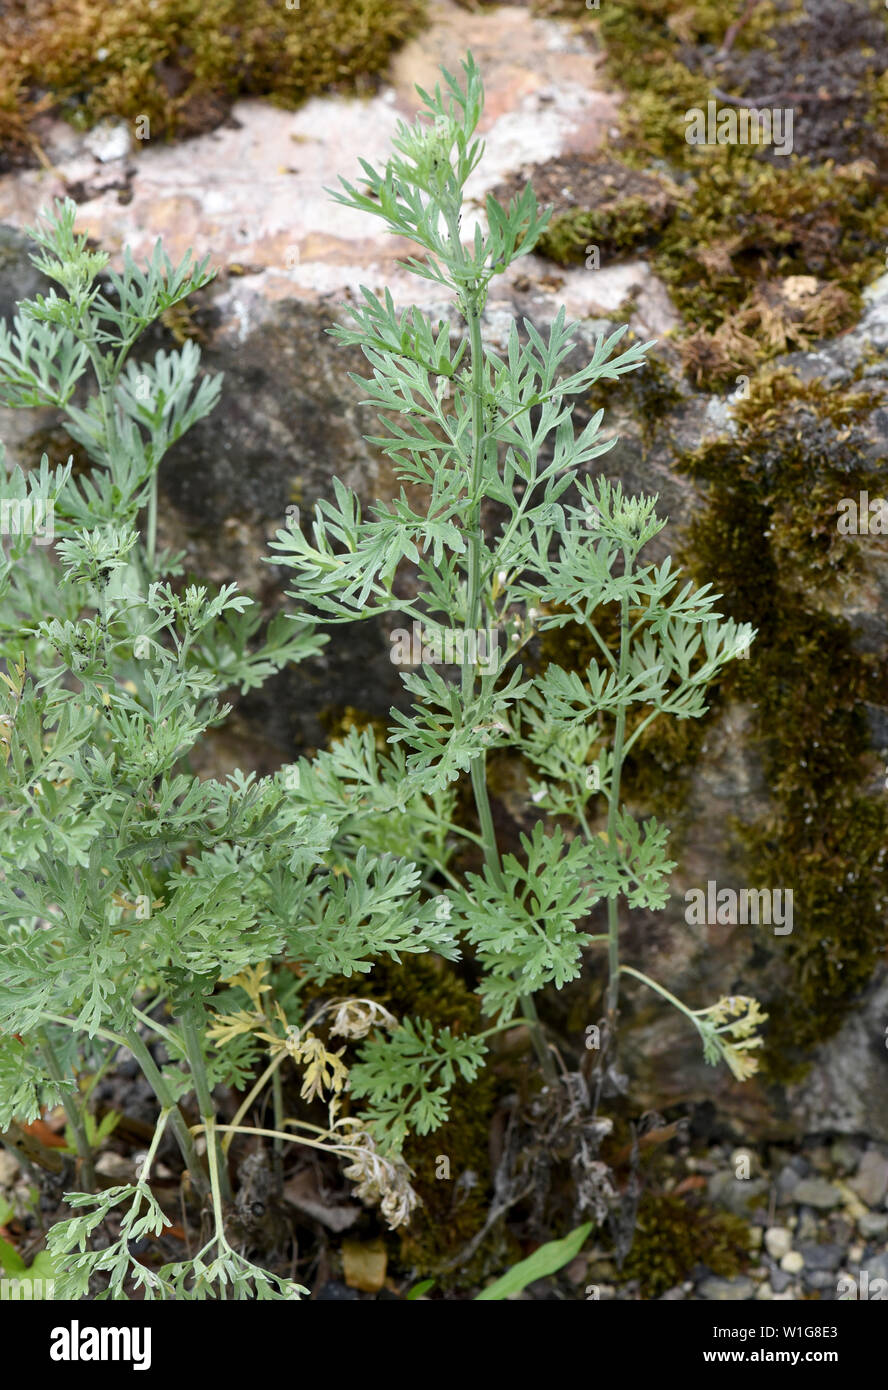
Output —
(817, 1192)
(871, 1181)
(778, 1242)
(822, 1256)
(726, 1290)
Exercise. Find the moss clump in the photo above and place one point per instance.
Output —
(671, 56)
(671, 1237)
(796, 444)
(765, 252)
(338, 721)
(653, 50)
(761, 260)
(769, 543)
(617, 228)
(598, 201)
(181, 63)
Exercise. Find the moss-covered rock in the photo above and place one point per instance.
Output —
(769, 542)
(181, 63)
(763, 252)
(598, 202)
(762, 260)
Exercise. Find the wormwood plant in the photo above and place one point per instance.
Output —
(129, 887)
(464, 425)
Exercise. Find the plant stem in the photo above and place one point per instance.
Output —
(181, 1131)
(145, 1170)
(613, 807)
(478, 766)
(151, 534)
(84, 1150)
(191, 1035)
(277, 1101)
(154, 1077)
(270, 1072)
(217, 1177)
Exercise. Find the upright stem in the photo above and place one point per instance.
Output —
(181, 1131)
(155, 1080)
(277, 1100)
(473, 597)
(613, 920)
(191, 1037)
(478, 766)
(81, 1140)
(151, 536)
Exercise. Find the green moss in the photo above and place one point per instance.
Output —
(671, 1237)
(768, 542)
(762, 260)
(764, 253)
(181, 63)
(623, 226)
(651, 49)
(337, 722)
(596, 201)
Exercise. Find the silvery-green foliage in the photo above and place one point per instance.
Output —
(469, 423)
(127, 881)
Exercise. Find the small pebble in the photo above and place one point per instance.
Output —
(778, 1242)
(806, 1228)
(845, 1155)
(9, 1169)
(726, 1290)
(792, 1262)
(821, 1256)
(788, 1180)
(113, 1165)
(871, 1180)
(817, 1193)
(874, 1223)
